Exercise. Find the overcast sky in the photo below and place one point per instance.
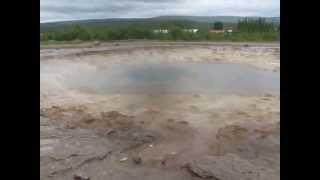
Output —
(57, 10)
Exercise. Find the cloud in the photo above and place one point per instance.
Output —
(95, 9)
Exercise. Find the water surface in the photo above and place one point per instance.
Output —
(174, 78)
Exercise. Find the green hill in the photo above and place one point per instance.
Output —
(155, 22)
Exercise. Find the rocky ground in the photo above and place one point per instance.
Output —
(145, 136)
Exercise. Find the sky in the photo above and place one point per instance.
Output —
(59, 10)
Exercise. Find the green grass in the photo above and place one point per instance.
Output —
(248, 31)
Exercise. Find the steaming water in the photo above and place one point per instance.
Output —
(165, 78)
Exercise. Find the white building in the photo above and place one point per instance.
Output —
(164, 31)
(191, 30)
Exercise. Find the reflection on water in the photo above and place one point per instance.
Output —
(174, 78)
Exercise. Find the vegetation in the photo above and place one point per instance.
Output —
(218, 25)
(245, 30)
(259, 25)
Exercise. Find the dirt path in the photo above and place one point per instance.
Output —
(145, 136)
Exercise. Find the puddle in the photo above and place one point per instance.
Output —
(166, 78)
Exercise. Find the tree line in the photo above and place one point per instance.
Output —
(244, 30)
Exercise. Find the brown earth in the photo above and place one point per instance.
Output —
(174, 136)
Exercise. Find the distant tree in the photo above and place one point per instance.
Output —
(258, 25)
(80, 33)
(163, 25)
(247, 29)
(218, 26)
(176, 33)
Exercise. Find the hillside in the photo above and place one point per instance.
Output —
(210, 19)
(155, 22)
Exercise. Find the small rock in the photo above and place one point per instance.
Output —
(254, 106)
(70, 126)
(96, 43)
(123, 159)
(89, 120)
(173, 153)
(137, 160)
(184, 165)
(242, 113)
(110, 131)
(170, 120)
(162, 160)
(199, 171)
(80, 177)
(150, 145)
(183, 122)
(42, 113)
(268, 95)
(149, 135)
(196, 95)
